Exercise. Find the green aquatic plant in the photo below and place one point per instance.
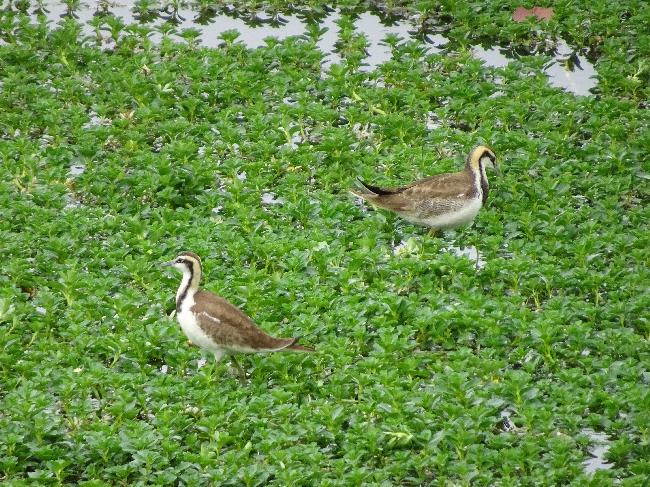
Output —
(431, 369)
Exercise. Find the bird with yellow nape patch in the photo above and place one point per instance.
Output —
(212, 323)
(440, 202)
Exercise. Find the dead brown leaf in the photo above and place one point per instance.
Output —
(541, 13)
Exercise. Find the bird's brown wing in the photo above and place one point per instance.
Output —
(452, 181)
(441, 187)
(231, 328)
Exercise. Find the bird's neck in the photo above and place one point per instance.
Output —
(189, 286)
(477, 170)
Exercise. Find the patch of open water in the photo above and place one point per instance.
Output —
(600, 444)
(470, 253)
(76, 170)
(568, 68)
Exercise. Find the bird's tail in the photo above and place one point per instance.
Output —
(298, 348)
(368, 191)
(363, 190)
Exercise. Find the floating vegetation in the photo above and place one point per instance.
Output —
(124, 140)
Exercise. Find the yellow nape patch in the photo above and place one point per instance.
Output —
(477, 153)
(191, 255)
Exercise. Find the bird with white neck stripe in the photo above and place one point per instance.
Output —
(212, 323)
(441, 202)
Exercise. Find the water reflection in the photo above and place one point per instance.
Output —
(76, 170)
(470, 253)
(600, 444)
(375, 31)
(571, 71)
(568, 69)
(252, 35)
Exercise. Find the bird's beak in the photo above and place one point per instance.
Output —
(497, 169)
(167, 264)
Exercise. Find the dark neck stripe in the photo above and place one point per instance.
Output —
(183, 295)
(484, 184)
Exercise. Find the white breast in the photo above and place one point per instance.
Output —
(453, 219)
(190, 326)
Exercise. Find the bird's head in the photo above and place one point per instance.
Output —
(482, 157)
(186, 262)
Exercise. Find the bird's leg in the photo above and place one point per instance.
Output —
(219, 354)
(433, 232)
(241, 373)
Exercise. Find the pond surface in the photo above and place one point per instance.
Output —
(568, 68)
(600, 444)
(470, 253)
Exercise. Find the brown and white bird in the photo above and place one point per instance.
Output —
(212, 323)
(441, 202)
